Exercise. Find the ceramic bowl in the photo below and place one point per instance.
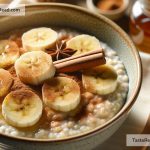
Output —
(63, 15)
(112, 14)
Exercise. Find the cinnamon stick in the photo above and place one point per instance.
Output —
(79, 56)
(80, 62)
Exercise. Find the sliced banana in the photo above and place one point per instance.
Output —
(22, 108)
(34, 67)
(83, 44)
(61, 94)
(9, 52)
(39, 39)
(101, 80)
(6, 82)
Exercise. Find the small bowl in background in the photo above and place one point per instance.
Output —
(111, 14)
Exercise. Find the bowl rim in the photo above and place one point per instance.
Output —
(131, 99)
(91, 5)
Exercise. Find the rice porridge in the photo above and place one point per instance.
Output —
(45, 104)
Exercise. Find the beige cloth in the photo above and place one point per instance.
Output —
(138, 116)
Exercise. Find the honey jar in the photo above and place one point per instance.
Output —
(140, 25)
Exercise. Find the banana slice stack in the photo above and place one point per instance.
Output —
(22, 107)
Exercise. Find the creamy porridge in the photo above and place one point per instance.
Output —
(63, 104)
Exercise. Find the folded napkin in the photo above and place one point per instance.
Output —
(138, 116)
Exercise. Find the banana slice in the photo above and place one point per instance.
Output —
(9, 52)
(6, 82)
(83, 44)
(39, 39)
(61, 94)
(22, 108)
(101, 80)
(34, 67)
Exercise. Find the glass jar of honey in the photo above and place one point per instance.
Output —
(140, 25)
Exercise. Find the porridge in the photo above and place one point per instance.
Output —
(40, 100)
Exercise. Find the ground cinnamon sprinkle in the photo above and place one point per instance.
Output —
(107, 5)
